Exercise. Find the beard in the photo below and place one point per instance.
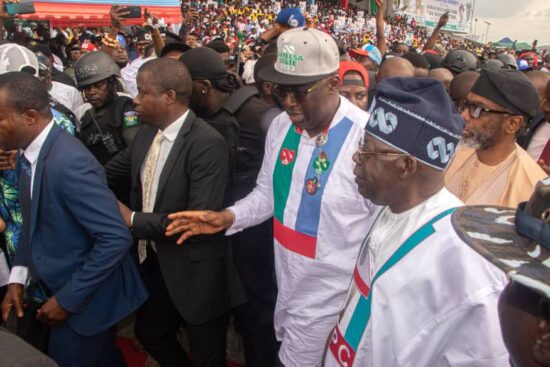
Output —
(121, 64)
(479, 141)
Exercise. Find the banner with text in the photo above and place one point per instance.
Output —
(428, 12)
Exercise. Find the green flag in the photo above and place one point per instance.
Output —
(373, 7)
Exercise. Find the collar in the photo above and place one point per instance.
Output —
(171, 132)
(33, 150)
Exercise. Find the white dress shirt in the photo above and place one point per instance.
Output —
(539, 141)
(129, 74)
(68, 96)
(170, 135)
(19, 274)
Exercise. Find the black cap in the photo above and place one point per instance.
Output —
(204, 63)
(174, 46)
(418, 60)
(434, 60)
(171, 37)
(510, 89)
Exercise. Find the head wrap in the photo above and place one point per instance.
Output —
(510, 89)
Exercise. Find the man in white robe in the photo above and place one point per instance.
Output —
(419, 296)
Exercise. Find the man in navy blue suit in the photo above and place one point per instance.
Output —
(74, 240)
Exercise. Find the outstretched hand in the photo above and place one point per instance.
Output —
(117, 14)
(443, 20)
(148, 15)
(193, 223)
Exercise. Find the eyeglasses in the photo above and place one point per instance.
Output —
(476, 110)
(362, 151)
(298, 94)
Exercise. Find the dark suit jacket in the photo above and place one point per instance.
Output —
(79, 243)
(199, 275)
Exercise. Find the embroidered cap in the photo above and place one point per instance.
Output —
(292, 17)
(304, 55)
(416, 116)
(517, 241)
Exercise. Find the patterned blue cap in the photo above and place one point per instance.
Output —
(292, 17)
(416, 116)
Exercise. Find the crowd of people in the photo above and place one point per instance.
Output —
(343, 188)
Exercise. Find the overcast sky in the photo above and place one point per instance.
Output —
(522, 20)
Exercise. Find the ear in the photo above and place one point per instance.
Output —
(203, 87)
(170, 96)
(334, 84)
(267, 87)
(541, 349)
(30, 117)
(407, 166)
(513, 124)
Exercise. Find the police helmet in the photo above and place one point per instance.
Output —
(508, 60)
(493, 64)
(94, 67)
(459, 61)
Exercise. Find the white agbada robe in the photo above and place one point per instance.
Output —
(435, 306)
(317, 237)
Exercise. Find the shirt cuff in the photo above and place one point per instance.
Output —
(236, 226)
(19, 275)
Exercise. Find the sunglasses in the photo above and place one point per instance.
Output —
(298, 94)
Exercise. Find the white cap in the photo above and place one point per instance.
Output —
(17, 58)
(304, 55)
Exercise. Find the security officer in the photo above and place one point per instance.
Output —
(243, 120)
(111, 123)
(460, 61)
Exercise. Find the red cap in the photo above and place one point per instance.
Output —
(88, 46)
(346, 66)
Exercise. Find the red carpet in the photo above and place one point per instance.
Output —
(137, 358)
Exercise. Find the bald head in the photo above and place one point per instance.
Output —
(443, 75)
(462, 84)
(540, 80)
(395, 67)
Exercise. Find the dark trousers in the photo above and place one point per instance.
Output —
(69, 349)
(158, 322)
(254, 260)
